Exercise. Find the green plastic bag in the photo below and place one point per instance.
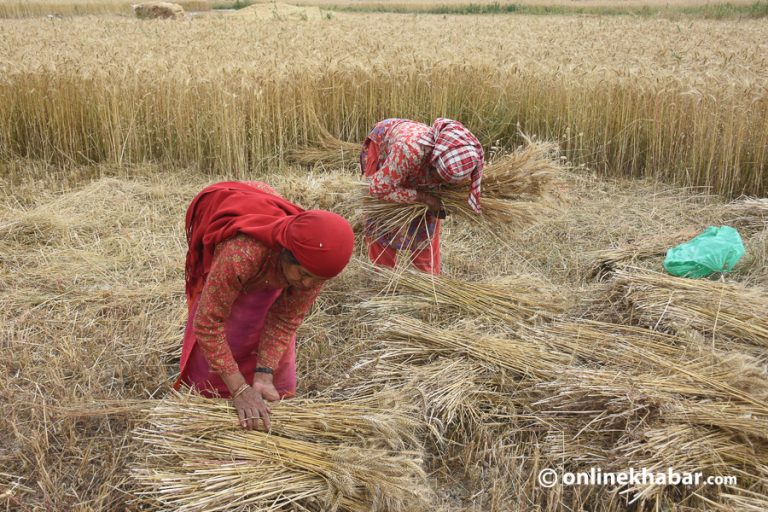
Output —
(715, 250)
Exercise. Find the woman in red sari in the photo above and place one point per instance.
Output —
(255, 264)
(407, 162)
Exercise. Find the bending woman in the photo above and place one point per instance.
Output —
(406, 162)
(255, 264)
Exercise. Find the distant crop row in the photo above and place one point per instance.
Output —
(685, 103)
(28, 8)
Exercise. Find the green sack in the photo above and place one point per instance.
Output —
(715, 250)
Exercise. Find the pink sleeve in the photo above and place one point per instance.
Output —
(284, 317)
(235, 261)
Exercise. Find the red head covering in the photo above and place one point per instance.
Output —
(457, 156)
(321, 241)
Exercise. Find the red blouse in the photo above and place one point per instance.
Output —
(243, 264)
(403, 169)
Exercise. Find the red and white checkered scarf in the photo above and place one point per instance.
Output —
(456, 155)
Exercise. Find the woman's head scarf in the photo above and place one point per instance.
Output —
(321, 241)
(457, 156)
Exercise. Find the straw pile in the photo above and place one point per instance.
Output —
(327, 152)
(605, 261)
(749, 212)
(726, 312)
(510, 299)
(414, 340)
(355, 455)
(469, 386)
(640, 405)
(517, 190)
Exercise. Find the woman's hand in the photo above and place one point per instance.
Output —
(251, 407)
(262, 382)
(433, 202)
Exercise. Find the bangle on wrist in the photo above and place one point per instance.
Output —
(240, 390)
(263, 369)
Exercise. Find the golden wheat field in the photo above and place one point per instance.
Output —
(683, 101)
(552, 341)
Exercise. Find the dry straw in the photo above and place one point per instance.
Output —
(509, 299)
(411, 339)
(327, 151)
(723, 311)
(605, 261)
(342, 455)
(749, 212)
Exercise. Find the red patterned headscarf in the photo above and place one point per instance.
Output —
(457, 156)
(321, 241)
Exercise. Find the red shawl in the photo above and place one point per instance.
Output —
(321, 241)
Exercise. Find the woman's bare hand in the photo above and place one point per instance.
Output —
(267, 390)
(251, 407)
(433, 202)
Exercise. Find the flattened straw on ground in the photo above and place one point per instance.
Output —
(323, 456)
(716, 308)
(508, 299)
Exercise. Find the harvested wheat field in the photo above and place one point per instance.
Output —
(553, 343)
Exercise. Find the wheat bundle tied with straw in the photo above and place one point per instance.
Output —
(512, 300)
(517, 190)
(470, 414)
(716, 308)
(342, 455)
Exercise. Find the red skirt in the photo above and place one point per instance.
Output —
(243, 332)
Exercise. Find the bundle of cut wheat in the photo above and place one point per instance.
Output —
(476, 417)
(411, 339)
(616, 420)
(517, 189)
(341, 455)
(604, 261)
(721, 310)
(667, 363)
(512, 300)
(692, 449)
